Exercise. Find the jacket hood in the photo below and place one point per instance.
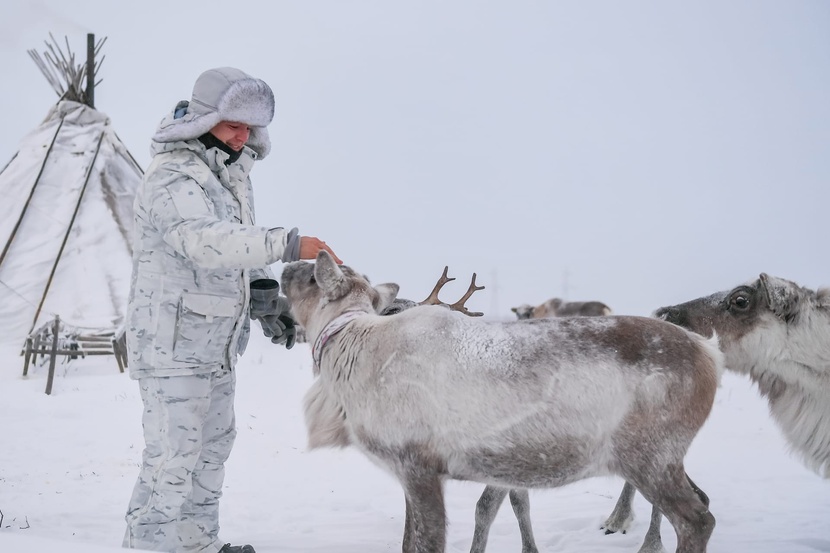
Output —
(223, 94)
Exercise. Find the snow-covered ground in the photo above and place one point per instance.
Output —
(68, 462)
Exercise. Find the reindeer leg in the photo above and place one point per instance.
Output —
(622, 515)
(520, 500)
(653, 542)
(426, 526)
(684, 505)
(486, 508)
(703, 497)
(408, 545)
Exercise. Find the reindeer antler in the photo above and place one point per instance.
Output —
(459, 305)
(432, 299)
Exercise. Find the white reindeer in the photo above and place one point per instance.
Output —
(777, 333)
(430, 394)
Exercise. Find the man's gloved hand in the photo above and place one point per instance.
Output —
(273, 312)
(289, 330)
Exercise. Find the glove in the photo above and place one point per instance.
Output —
(289, 330)
(273, 312)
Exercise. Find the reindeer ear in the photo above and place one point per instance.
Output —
(782, 296)
(329, 276)
(387, 292)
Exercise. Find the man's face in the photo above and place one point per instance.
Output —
(235, 135)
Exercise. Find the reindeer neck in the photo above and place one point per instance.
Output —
(333, 327)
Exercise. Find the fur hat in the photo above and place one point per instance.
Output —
(224, 94)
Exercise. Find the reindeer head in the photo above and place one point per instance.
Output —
(737, 311)
(321, 291)
(524, 311)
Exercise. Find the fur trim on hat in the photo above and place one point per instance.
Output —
(225, 94)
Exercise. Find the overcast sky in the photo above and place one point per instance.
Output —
(637, 153)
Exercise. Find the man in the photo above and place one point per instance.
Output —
(196, 258)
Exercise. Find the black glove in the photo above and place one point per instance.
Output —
(273, 312)
(289, 330)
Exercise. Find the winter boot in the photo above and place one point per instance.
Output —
(228, 548)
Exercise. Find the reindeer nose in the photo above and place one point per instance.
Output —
(669, 314)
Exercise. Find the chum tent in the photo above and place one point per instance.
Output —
(66, 216)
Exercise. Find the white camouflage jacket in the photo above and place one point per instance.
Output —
(196, 249)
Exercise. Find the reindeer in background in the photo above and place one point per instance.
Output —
(556, 307)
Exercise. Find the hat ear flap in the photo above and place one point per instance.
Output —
(259, 141)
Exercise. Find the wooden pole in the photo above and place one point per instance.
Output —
(28, 353)
(54, 354)
(90, 70)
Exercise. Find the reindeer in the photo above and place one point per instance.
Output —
(556, 307)
(430, 394)
(777, 333)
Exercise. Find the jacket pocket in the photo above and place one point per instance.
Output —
(204, 324)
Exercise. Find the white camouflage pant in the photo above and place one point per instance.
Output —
(189, 430)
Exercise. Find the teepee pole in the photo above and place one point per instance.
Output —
(31, 193)
(90, 70)
(70, 80)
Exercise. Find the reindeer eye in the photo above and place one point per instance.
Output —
(312, 280)
(741, 301)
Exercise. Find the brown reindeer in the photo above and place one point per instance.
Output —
(556, 307)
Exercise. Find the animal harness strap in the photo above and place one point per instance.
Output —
(335, 326)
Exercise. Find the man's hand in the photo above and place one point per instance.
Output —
(310, 245)
(289, 331)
